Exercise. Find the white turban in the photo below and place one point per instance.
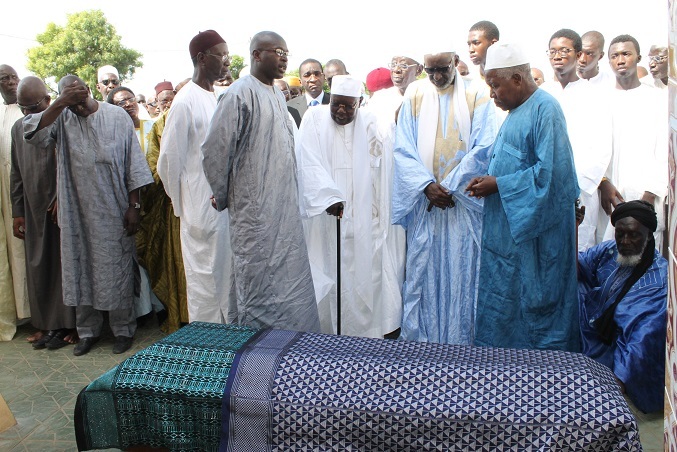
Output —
(502, 55)
(345, 85)
(103, 70)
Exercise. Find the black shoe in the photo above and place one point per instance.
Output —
(58, 341)
(42, 342)
(122, 344)
(85, 345)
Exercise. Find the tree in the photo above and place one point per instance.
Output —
(86, 43)
(236, 65)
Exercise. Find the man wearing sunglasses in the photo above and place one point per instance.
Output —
(107, 80)
(444, 133)
(13, 296)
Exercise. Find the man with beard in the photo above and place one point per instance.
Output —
(623, 286)
(250, 165)
(205, 239)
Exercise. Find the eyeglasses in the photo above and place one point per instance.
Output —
(432, 70)
(563, 52)
(400, 66)
(6, 78)
(658, 58)
(281, 53)
(114, 82)
(223, 58)
(31, 108)
(153, 104)
(346, 107)
(125, 102)
(166, 101)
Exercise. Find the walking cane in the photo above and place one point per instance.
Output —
(338, 272)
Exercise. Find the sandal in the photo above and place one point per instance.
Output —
(57, 341)
(42, 342)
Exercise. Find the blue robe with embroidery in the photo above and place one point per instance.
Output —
(527, 284)
(443, 246)
(637, 354)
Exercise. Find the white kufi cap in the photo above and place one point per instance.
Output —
(502, 54)
(103, 70)
(345, 85)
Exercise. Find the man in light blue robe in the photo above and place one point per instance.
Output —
(444, 134)
(527, 288)
(635, 348)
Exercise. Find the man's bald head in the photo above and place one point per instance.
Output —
(31, 86)
(32, 95)
(68, 80)
(262, 39)
(594, 37)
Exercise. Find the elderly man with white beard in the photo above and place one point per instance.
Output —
(623, 286)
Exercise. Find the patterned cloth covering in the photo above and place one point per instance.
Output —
(300, 391)
(282, 390)
(167, 395)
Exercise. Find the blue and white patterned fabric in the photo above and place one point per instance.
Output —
(303, 391)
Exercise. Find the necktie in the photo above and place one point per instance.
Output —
(314, 102)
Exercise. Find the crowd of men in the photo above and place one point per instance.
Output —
(437, 207)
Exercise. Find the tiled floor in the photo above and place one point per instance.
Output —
(41, 386)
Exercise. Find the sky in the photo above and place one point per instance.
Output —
(364, 34)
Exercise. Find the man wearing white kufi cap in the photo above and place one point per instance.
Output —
(445, 129)
(527, 288)
(339, 153)
(107, 79)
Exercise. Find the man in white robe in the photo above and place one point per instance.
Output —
(639, 162)
(588, 62)
(205, 237)
(583, 107)
(13, 289)
(250, 165)
(341, 171)
(445, 131)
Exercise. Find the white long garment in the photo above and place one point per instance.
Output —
(344, 164)
(13, 294)
(640, 148)
(9, 114)
(588, 118)
(205, 237)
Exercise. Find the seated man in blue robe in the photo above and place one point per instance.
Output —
(623, 287)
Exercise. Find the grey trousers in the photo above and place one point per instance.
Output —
(89, 321)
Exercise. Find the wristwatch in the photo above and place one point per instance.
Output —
(136, 205)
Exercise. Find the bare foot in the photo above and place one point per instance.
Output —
(35, 336)
(72, 337)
